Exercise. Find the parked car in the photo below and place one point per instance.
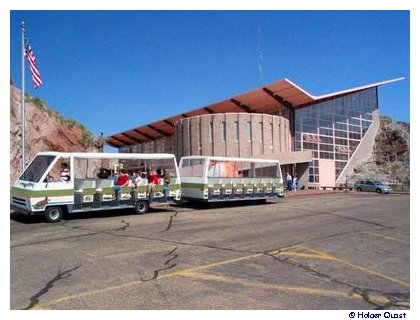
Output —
(372, 185)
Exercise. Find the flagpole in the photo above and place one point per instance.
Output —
(22, 103)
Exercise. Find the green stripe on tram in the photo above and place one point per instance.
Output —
(40, 193)
(190, 185)
(28, 193)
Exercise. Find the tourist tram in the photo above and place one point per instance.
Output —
(215, 179)
(55, 183)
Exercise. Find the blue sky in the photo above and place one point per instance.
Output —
(115, 70)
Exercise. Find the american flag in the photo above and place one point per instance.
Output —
(29, 53)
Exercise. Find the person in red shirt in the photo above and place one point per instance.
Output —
(152, 180)
(123, 178)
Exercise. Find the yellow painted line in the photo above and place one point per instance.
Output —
(304, 255)
(219, 263)
(386, 237)
(363, 269)
(267, 286)
(129, 284)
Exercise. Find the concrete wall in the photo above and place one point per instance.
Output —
(302, 170)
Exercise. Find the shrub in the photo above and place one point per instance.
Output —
(87, 138)
(38, 103)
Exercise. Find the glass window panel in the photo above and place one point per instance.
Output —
(341, 156)
(326, 155)
(327, 139)
(340, 118)
(353, 135)
(326, 147)
(223, 131)
(366, 123)
(339, 133)
(211, 132)
(236, 130)
(353, 143)
(341, 141)
(325, 131)
(341, 126)
(354, 121)
(354, 129)
(367, 116)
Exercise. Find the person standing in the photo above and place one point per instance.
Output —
(116, 187)
(294, 183)
(289, 180)
(166, 181)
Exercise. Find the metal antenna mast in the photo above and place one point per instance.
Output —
(260, 66)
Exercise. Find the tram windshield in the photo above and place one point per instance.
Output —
(37, 168)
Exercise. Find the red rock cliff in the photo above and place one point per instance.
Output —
(46, 130)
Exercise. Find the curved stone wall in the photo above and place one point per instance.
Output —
(232, 135)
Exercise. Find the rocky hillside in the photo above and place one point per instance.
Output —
(46, 130)
(391, 154)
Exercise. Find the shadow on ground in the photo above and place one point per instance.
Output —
(25, 219)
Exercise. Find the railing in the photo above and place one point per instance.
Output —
(397, 185)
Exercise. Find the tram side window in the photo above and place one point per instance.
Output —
(225, 169)
(89, 168)
(159, 165)
(260, 170)
(266, 170)
(60, 171)
(80, 168)
(247, 171)
(192, 168)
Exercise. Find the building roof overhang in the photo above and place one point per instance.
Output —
(283, 93)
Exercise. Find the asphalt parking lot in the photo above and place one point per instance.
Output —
(331, 251)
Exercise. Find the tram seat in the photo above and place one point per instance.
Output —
(142, 182)
(103, 183)
(80, 184)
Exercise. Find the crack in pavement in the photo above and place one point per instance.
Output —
(380, 300)
(170, 221)
(171, 257)
(315, 213)
(60, 276)
(123, 228)
(358, 220)
(375, 298)
(169, 224)
(110, 232)
(127, 224)
(170, 252)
